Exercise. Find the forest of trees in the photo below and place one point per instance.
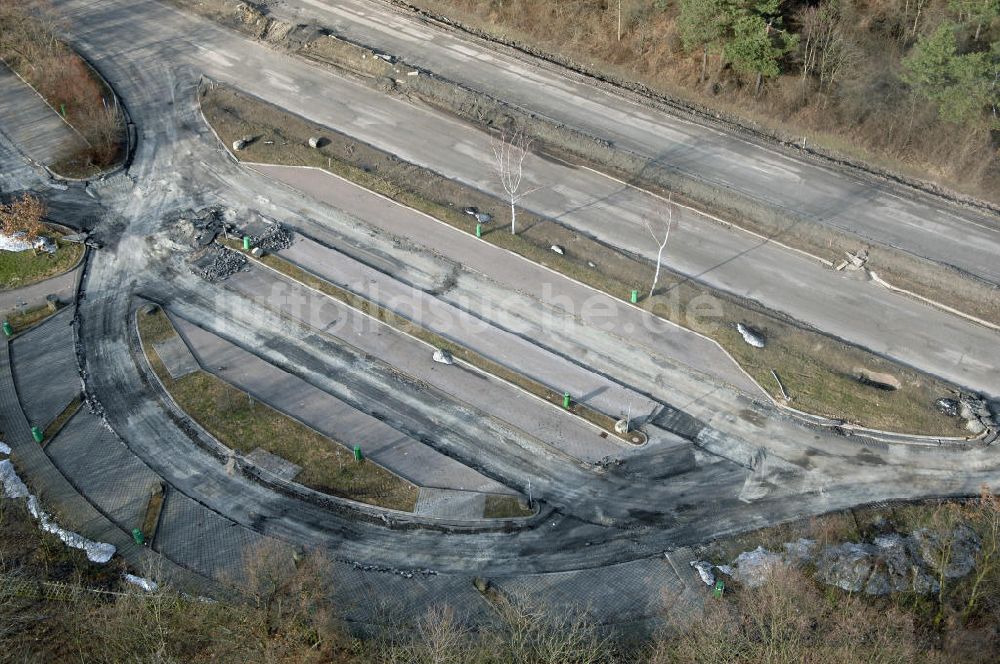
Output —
(908, 84)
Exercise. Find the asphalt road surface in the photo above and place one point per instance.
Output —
(860, 312)
(741, 466)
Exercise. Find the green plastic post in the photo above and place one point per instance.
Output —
(246, 243)
(720, 587)
(139, 538)
(566, 399)
(479, 230)
(37, 434)
(7, 329)
(634, 297)
(62, 109)
(357, 453)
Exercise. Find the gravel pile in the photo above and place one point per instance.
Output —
(223, 263)
(274, 238)
(405, 573)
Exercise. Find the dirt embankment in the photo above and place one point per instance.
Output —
(940, 283)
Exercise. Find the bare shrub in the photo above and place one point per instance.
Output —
(523, 631)
(29, 44)
(23, 215)
(790, 620)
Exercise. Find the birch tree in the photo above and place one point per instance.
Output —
(660, 244)
(509, 150)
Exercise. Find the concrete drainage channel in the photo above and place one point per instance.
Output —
(243, 464)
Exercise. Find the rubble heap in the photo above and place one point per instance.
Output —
(274, 238)
(222, 263)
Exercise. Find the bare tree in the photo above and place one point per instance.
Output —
(661, 244)
(509, 150)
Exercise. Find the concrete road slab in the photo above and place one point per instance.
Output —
(450, 504)
(176, 357)
(858, 311)
(291, 395)
(105, 471)
(620, 594)
(44, 366)
(283, 468)
(518, 275)
(388, 597)
(925, 225)
(202, 540)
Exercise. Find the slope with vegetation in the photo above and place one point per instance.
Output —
(29, 45)
(284, 612)
(908, 84)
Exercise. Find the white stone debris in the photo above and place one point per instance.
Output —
(704, 571)
(19, 242)
(754, 568)
(4, 449)
(148, 585)
(750, 335)
(557, 249)
(97, 552)
(443, 357)
(13, 487)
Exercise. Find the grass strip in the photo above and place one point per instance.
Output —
(407, 326)
(245, 424)
(23, 268)
(22, 320)
(820, 372)
(62, 418)
(505, 507)
(151, 519)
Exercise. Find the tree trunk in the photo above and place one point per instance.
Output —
(656, 276)
(704, 63)
(760, 83)
(513, 218)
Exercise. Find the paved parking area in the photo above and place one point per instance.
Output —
(289, 394)
(202, 540)
(176, 357)
(545, 421)
(450, 504)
